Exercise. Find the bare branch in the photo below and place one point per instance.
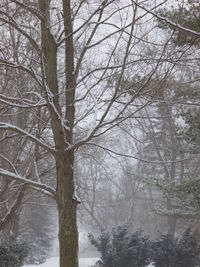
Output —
(37, 186)
(93, 131)
(171, 23)
(21, 67)
(26, 103)
(110, 151)
(61, 41)
(34, 11)
(10, 21)
(32, 138)
(13, 209)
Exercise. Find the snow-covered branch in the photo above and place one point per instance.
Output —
(50, 99)
(12, 102)
(168, 21)
(32, 138)
(37, 186)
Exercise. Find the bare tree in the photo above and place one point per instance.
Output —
(78, 56)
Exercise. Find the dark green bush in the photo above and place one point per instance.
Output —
(122, 248)
(12, 255)
(176, 252)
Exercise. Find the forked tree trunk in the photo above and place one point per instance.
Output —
(63, 135)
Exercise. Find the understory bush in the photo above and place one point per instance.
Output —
(182, 251)
(12, 255)
(121, 248)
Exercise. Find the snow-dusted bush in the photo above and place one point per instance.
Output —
(12, 255)
(120, 248)
(176, 252)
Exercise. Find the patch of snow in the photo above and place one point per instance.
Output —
(54, 262)
(83, 262)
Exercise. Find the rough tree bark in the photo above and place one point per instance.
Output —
(62, 131)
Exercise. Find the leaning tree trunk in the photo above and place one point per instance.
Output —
(62, 130)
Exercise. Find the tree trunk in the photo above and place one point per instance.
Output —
(172, 225)
(68, 236)
(67, 206)
(63, 134)
(172, 220)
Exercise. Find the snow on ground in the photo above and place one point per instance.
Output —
(54, 262)
(83, 262)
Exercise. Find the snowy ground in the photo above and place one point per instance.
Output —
(83, 262)
(53, 262)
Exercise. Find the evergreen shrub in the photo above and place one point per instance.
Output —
(121, 248)
(176, 252)
(12, 254)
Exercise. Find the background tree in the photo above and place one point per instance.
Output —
(183, 19)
